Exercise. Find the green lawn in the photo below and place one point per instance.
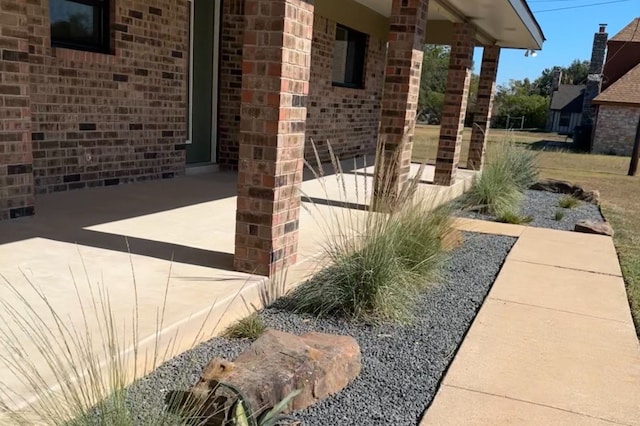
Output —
(620, 193)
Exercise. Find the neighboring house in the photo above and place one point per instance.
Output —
(105, 92)
(565, 111)
(618, 105)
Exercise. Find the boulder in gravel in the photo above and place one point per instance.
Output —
(591, 227)
(564, 187)
(275, 365)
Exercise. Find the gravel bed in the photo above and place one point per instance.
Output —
(542, 206)
(401, 364)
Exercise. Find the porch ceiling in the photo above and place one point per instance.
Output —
(507, 23)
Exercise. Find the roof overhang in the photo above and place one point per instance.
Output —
(597, 101)
(506, 23)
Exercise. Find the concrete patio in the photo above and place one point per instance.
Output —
(179, 232)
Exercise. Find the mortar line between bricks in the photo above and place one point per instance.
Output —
(539, 405)
(557, 310)
(566, 267)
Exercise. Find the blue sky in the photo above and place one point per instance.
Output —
(569, 35)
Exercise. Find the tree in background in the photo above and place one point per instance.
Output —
(530, 99)
(518, 98)
(576, 73)
(433, 84)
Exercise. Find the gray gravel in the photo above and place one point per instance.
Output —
(542, 206)
(401, 364)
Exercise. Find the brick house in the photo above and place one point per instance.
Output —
(618, 105)
(107, 92)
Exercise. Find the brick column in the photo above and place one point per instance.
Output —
(275, 84)
(484, 105)
(400, 96)
(16, 161)
(455, 104)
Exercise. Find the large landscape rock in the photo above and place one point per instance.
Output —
(591, 227)
(278, 363)
(564, 187)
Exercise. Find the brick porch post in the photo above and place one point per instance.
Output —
(16, 160)
(400, 96)
(455, 104)
(484, 105)
(275, 84)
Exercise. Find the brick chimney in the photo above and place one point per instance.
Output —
(594, 80)
(557, 79)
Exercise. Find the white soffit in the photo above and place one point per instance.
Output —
(508, 23)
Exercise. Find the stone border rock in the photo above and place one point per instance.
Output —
(564, 187)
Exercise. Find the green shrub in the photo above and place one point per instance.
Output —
(509, 171)
(250, 327)
(568, 202)
(514, 218)
(375, 261)
(559, 215)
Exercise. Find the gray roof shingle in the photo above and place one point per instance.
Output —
(568, 98)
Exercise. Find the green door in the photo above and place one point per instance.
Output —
(202, 81)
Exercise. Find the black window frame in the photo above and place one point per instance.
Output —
(565, 117)
(101, 17)
(357, 43)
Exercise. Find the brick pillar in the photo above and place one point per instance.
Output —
(16, 161)
(484, 105)
(275, 84)
(400, 96)
(455, 104)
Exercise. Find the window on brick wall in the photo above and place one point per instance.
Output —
(80, 24)
(349, 57)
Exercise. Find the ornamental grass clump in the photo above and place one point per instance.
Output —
(510, 170)
(250, 327)
(568, 202)
(378, 257)
(514, 218)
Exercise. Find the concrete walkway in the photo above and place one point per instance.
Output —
(553, 344)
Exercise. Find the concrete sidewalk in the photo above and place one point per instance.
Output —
(553, 344)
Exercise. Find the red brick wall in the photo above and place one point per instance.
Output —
(455, 105)
(346, 118)
(615, 130)
(400, 103)
(104, 119)
(275, 87)
(230, 82)
(16, 179)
